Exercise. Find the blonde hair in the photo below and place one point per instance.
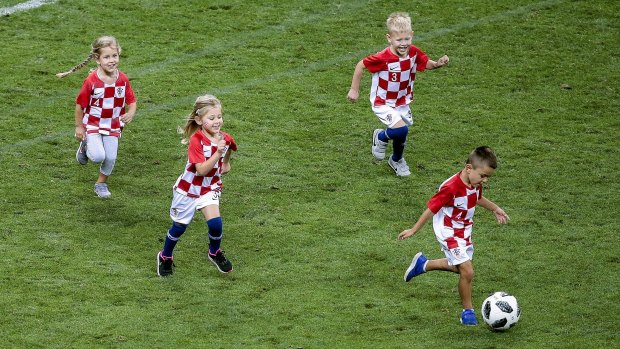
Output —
(399, 22)
(95, 51)
(201, 107)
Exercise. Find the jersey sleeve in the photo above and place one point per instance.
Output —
(232, 145)
(440, 199)
(195, 154)
(374, 63)
(83, 98)
(130, 97)
(421, 58)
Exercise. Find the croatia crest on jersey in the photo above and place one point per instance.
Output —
(119, 92)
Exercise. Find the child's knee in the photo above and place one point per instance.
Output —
(398, 133)
(467, 271)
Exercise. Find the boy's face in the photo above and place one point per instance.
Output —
(400, 42)
(479, 174)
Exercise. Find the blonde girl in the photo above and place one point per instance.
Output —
(104, 105)
(199, 187)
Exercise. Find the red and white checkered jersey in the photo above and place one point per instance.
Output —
(393, 77)
(200, 149)
(103, 104)
(454, 205)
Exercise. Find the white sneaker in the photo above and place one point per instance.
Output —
(102, 190)
(378, 146)
(400, 167)
(80, 155)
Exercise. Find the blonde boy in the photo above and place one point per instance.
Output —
(393, 76)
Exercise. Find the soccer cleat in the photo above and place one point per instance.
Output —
(468, 317)
(416, 267)
(400, 167)
(164, 265)
(221, 262)
(378, 146)
(102, 190)
(80, 155)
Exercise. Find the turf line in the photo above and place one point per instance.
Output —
(24, 6)
(307, 68)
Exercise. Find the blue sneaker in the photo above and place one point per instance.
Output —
(468, 317)
(417, 266)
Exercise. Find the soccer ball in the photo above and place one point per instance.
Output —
(500, 311)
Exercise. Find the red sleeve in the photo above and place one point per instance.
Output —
(194, 151)
(440, 199)
(375, 63)
(230, 141)
(421, 58)
(86, 91)
(130, 98)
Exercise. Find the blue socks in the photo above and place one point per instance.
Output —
(399, 137)
(177, 229)
(174, 233)
(215, 234)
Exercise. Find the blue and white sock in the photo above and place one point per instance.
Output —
(172, 237)
(215, 234)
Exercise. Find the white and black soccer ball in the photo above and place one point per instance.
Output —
(500, 311)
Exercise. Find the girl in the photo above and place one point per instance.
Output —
(200, 185)
(104, 105)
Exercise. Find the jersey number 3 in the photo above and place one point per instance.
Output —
(393, 76)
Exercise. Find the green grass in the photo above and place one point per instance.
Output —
(310, 221)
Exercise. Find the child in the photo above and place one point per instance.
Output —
(452, 209)
(104, 105)
(200, 186)
(393, 75)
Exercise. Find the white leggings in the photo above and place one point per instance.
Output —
(102, 149)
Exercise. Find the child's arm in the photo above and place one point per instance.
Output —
(426, 215)
(354, 91)
(130, 112)
(440, 62)
(226, 162)
(206, 166)
(80, 131)
(500, 215)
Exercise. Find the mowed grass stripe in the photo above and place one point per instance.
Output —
(303, 70)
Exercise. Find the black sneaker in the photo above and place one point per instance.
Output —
(164, 265)
(221, 262)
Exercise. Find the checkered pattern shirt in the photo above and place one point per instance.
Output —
(393, 77)
(454, 205)
(190, 183)
(103, 104)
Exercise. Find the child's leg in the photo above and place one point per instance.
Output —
(95, 150)
(214, 224)
(441, 264)
(466, 271)
(172, 237)
(110, 146)
(399, 137)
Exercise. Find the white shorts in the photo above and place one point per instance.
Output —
(391, 116)
(459, 254)
(183, 207)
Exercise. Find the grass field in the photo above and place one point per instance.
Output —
(310, 221)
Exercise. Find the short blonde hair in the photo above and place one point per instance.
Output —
(399, 22)
(95, 50)
(202, 105)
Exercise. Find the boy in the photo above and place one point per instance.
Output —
(393, 75)
(452, 209)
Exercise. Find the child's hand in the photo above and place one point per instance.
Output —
(221, 144)
(501, 216)
(225, 168)
(353, 95)
(80, 133)
(443, 61)
(126, 118)
(405, 234)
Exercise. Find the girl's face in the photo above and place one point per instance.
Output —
(212, 121)
(108, 59)
(400, 42)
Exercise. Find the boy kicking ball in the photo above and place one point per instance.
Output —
(452, 209)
